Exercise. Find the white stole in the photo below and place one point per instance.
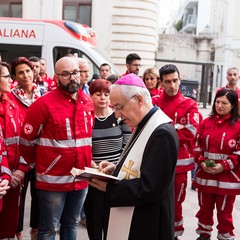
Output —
(121, 217)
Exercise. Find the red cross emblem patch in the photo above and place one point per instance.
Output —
(28, 128)
(232, 143)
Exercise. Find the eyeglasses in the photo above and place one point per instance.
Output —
(68, 75)
(118, 108)
(136, 65)
(8, 77)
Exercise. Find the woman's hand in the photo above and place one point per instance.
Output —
(205, 168)
(212, 170)
(93, 164)
(106, 167)
(16, 179)
(4, 187)
(218, 168)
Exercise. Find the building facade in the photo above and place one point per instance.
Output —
(208, 29)
(121, 26)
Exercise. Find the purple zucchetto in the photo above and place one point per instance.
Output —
(131, 79)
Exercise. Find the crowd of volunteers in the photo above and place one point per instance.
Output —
(141, 129)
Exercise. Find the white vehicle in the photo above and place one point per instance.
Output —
(49, 39)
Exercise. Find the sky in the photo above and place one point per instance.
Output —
(164, 12)
(166, 7)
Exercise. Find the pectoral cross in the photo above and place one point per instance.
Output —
(129, 171)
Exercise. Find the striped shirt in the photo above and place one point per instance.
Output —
(109, 138)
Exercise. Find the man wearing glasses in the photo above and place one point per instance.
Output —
(142, 201)
(56, 136)
(133, 64)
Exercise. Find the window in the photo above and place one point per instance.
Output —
(78, 11)
(59, 52)
(12, 51)
(11, 8)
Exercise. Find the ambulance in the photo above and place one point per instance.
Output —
(49, 39)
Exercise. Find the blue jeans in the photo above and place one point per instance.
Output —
(60, 210)
(82, 214)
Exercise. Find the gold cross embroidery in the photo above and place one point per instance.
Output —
(129, 171)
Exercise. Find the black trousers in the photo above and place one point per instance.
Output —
(97, 214)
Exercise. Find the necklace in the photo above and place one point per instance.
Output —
(101, 119)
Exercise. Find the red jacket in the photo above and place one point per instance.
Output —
(56, 136)
(51, 83)
(126, 73)
(5, 173)
(182, 110)
(11, 122)
(156, 92)
(219, 141)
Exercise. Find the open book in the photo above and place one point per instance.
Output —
(90, 173)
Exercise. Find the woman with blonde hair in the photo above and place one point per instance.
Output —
(152, 81)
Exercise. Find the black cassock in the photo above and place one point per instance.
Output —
(152, 194)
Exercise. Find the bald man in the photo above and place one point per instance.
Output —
(60, 126)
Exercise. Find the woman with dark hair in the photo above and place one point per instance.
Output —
(217, 177)
(109, 137)
(24, 94)
(10, 124)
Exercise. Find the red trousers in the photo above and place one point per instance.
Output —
(0, 204)
(224, 206)
(9, 213)
(180, 186)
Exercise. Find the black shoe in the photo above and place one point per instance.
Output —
(202, 238)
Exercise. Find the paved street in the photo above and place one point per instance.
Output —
(190, 208)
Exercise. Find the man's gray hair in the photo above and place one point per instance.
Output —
(130, 91)
(232, 68)
(81, 61)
